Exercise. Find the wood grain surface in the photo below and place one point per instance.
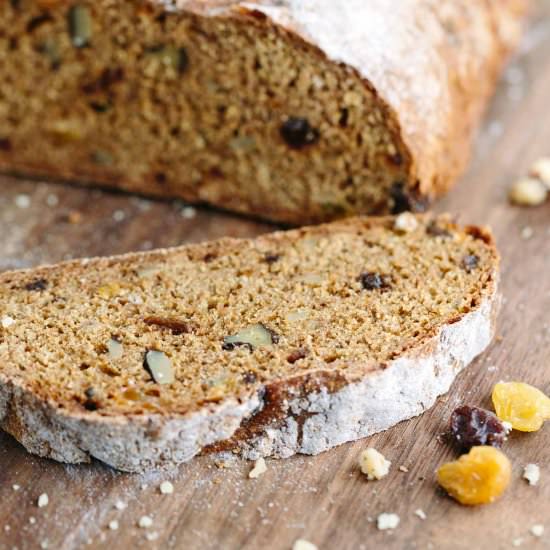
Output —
(323, 499)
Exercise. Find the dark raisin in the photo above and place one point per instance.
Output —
(396, 159)
(296, 355)
(230, 346)
(176, 326)
(90, 403)
(37, 285)
(435, 230)
(471, 426)
(469, 262)
(38, 21)
(344, 116)
(160, 178)
(209, 257)
(182, 62)
(5, 144)
(298, 133)
(108, 78)
(271, 258)
(404, 199)
(249, 377)
(100, 106)
(374, 281)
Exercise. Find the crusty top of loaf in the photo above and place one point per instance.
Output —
(433, 61)
(340, 300)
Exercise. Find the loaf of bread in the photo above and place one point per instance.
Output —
(291, 343)
(296, 110)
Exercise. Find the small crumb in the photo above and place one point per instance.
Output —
(145, 522)
(32, 520)
(52, 200)
(16, 487)
(405, 222)
(531, 473)
(540, 169)
(260, 468)
(527, 232)
(144, 486)
(403, 469)
(166, 488)
(420, 513)
(528, 192)
(374, 464)
(119, 505)
(387, 521)
(188, 212)
(517, 542)
(74, 217)
(492, 368)
(302, 544)
(537, 530)
(507, 426)
(7, 321)
(7, 528)
(43, 500)
(44, 545)
(113, 525)
(119, 215)
(22, 201)
(153, 535)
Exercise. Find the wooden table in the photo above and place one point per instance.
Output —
(323, 499)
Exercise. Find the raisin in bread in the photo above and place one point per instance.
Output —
(291, 343)
(297, 110)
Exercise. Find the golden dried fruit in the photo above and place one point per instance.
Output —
(523, 406)
(478, 477)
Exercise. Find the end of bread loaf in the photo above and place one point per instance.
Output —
(293, 342)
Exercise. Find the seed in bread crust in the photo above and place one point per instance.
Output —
(405, 222)
(115, 349)
(80, 25)
(253, 336)
(298, 133)
(159, 367)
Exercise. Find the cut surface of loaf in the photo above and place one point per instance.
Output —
(326, 108)
(293, 342)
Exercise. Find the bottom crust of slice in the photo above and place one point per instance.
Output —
(306, 421)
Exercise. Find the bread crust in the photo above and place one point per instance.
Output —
(431, 65)
(306, 413)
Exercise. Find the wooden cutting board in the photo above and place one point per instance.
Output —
(323, 499)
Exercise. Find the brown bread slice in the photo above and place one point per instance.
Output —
(295, 110)
(342, 331)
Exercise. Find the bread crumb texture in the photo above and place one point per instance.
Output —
(230, 321)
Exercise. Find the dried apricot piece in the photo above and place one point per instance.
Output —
(522, 405)
(478, 477)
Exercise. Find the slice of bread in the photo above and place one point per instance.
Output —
(293, 342)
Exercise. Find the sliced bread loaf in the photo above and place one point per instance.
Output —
(327, 108)
(293, 342)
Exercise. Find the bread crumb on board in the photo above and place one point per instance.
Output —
(119, 505)
(528, 192)
(531, 473)
(374, 464)
(260, 467)
(387, 521)
(166, 488)
(43, 500)
(113, 525)
(420, 513)
(145, 522)
(302, 544)
(537, 530)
